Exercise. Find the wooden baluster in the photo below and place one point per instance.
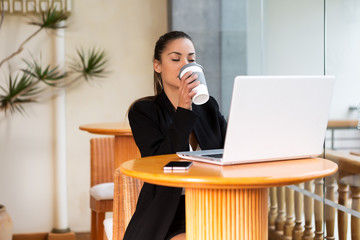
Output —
(343, 191)
(273, 207)
(299, 203)
(355, 221)
(280, 220)
(330, 211)
(319, 209)
(308, 211)
(289, 223)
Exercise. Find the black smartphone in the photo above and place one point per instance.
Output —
(177, 166)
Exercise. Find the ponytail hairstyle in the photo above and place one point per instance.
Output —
(159, 48)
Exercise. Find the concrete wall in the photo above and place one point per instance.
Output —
(127, 30)
(277, 37)
(293, 33)
(294, 42)
(202, 21)
(218, 29)
(343, 55)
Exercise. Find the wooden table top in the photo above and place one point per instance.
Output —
(110, 128)
(333, 124)
(253, 175)
(123, 128)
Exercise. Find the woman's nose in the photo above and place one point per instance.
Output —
(184, 62)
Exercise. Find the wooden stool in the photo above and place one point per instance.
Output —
(102, 180)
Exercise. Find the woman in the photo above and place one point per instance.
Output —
(167, 123)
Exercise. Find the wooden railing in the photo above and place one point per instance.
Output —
(305, 211)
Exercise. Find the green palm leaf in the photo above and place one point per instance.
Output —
(50, 19)
(90, 64)
(50, 76)
(27, 86)
(20, 90)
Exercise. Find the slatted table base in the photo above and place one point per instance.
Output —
(213, 214)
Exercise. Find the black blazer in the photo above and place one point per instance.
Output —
(159, 129)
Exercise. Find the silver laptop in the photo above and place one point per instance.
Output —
(273, 118)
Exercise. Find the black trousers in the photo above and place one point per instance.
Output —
(178, 224)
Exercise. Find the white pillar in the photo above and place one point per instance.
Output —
(61, 209)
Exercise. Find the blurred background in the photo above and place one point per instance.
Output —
(232, 37)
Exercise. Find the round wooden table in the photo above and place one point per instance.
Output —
(334, 125)
(227, 202)
(124, 147)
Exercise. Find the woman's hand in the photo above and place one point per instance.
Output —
(186, 93)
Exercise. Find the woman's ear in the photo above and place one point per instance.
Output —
(157, 66)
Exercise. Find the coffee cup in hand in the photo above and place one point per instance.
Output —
(202, 93)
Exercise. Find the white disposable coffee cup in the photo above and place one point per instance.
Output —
(202, 93)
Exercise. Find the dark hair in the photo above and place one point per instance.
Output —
(159, 48)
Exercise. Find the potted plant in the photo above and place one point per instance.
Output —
(5, 224)
(35, 82)
(29, 84)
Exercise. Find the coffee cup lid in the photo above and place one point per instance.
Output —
(189, 65)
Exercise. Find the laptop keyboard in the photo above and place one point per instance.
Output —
(216, 155)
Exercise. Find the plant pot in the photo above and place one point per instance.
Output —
(6, 226)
